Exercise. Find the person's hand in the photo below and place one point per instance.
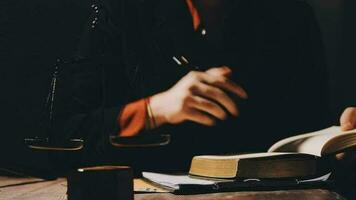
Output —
(348, 119)
(348, 122)
(200, 97)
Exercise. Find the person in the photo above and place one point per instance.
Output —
(189, 68)
(348, 119)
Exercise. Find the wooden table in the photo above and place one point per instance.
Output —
(30, 188)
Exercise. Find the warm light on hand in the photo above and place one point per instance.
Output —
(200, 97)
(348, 119)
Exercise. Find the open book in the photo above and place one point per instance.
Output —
(291, 162)
(295, 156)
(320, 143)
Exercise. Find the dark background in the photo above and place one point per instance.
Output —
(33, 33)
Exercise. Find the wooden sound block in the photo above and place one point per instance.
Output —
(102, 182)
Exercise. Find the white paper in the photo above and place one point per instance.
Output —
(173, 181)
(321, 178)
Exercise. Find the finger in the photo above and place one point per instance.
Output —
(217, 95)
(208, 106)
(348, 119)
(220, 71)
(340, 156)
(348, 156)
(200, 117)
(225, 84)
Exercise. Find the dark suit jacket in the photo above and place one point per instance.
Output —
(273, 47)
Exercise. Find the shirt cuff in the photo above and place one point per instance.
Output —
(132, 118)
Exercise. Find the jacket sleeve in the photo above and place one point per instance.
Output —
(311, 78)
(309, 95)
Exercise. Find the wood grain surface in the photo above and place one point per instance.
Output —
(37, 189)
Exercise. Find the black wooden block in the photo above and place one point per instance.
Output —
(102, 182)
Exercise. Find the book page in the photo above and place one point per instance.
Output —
(310, 143)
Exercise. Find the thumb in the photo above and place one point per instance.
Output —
(220, 71)
(348, 119)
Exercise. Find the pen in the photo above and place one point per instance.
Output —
(184, 62)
